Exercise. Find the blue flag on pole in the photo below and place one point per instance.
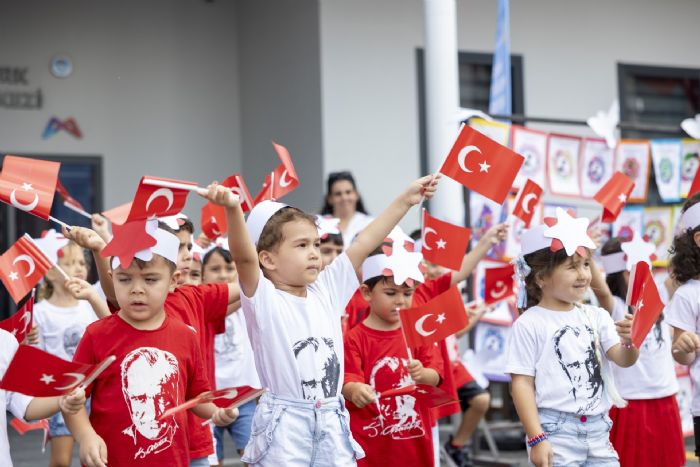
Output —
(500, 97)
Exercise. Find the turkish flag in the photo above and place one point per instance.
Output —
(225, 398)
(153, 201)
(695, 186)
(37, 373)
(128, 239)
(529, 196)
(498, 283)
(21, 279)
(644, 296)
(237, 185)
(435, 320)
(444, 243)
(67, 198)
(427, 395)
(23, 427)
(613, 195)
(29, 184)
(281, 181)
(481, 164)
(20, 323)
(213, 221)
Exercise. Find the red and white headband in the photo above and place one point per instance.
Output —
(564, 231)
(167, 245)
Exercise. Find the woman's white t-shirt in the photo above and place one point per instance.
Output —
(357, 223)
(233, 355)
(683, 312)
(60, 328)
(556, 348)
(297, 341)
(654, 375)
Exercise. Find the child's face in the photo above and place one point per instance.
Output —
(569, 281)
(195, 276)
(297, 259)
(218, 271)
(184, 255)
(329, 252)
(141, 293)
(72, 261)
(386, 297)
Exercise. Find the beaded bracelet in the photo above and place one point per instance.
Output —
(627, 346)
(536, 439)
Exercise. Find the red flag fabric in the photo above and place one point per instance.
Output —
(20, 323)
(29, 184)
(23, 427)
(444, 243)
(498, 283)
(481, 164)
(213, 221)
(117, 214)
(127, 240)
(695, 186)
(67, 198)
(435, 320)
(529, 196)
(429, 396)
(237, 185)
(225, 398)
(613, 196)
(21, 279)
(280, 181)
(153, 201)
(644, 296)
(37, 373)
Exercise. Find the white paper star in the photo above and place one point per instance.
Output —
(570, 231)
(441, 244)
(13, 276)
(398, 236)
(404, 264)
(440, 318)
(327, 225)
(622, 197)
(638, 250)
(26, 186)
(484, 167)
(47, 379)
(50, 244)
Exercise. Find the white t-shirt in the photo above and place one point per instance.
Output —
(297, 341)
(233, 355)
(60, 328)
(358, 222)
(556, 348)
(654, 375)
(683, 312)
(12, 401)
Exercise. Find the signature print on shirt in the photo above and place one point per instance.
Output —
(575, 351)
(319, 367)
(150, 380)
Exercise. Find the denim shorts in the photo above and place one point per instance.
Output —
(238, 430)
(293, 432)
(579, 440)
(57, 425)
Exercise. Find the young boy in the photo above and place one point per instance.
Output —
(376, 360)
(293, 311)
(158, 366)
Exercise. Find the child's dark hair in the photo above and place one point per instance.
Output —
(416, 235)
(616, 280)
(271, 235)
(685, 253)
(542, 263)
(225, 254)
(336, 177)
(185, 224)
(335, 239)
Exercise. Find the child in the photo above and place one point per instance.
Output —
(683, 311)
(195, 276)
(376, 360)
(61, 319)
(26, 407)
(649, 385)
(158, 366)
(235, 365)
(558, 350)
(293, 311)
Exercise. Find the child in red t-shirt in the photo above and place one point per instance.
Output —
(158, 366)
(376, 360)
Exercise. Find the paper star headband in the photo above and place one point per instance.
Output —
(174, 222)
(258, 217)
(51, 243)
(397, 261)
(167, 246)
(691, 217)
(198, 252)
(327, 225)
(636, 250)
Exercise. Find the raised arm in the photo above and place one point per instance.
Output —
(494, 235)
(600, 289)
(374, 234)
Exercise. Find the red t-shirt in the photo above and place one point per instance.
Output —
(154, 371)
(203, 307)
(356, 311)
(402, 431)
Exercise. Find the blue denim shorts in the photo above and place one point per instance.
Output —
(579, 440)
(238, 430)
(310, 433)
(57, 425)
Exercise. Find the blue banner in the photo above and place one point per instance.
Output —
(500, 98)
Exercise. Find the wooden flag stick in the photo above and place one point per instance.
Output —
(59, 268)
(59, 222)
(175, 185)
(75, 208)
(403, 334)
(102, 367)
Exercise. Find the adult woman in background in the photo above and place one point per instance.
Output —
(344, 202)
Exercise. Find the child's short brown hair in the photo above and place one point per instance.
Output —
(271, 235)
(685, 254)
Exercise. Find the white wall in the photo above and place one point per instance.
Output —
(154, 87)
(570, 52)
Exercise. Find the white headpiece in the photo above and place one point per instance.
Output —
(691, 217)
(614, 262)
(51, 243)
(173, 221)
(258, 217)
(167, 245)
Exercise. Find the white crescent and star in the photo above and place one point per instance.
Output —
(22, 206)
(426, 231)
(47, 379)
(420, 323)
(284, 179)
(462, 157)
(27, 320)
(77, 379)
(500, 291)
(622, 198)
(527, 202)
(30, 263)
(166, 193)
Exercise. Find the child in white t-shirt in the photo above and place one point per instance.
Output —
(293, 312)
(558, 350)
(64, 311)
(683, 311)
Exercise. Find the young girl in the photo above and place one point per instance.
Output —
(235, 366)
(558, 350)
(62, 318)
(649, 385)
(293, 312)
(683, 311)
